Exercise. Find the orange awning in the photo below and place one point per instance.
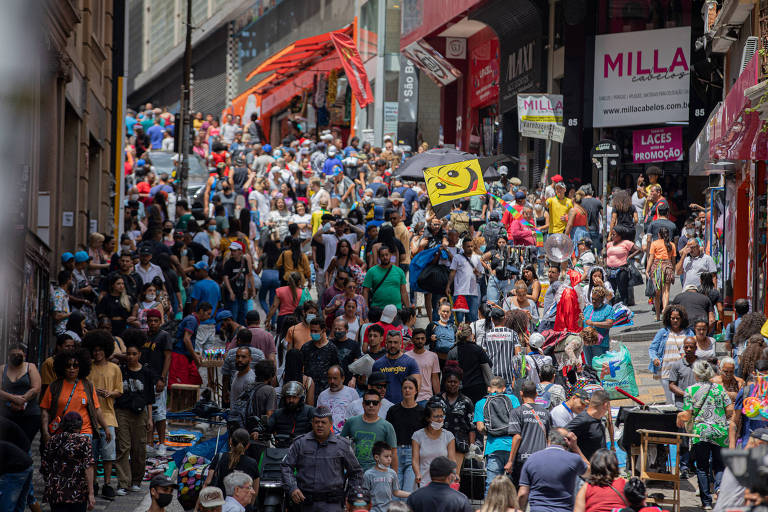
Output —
(293, 60)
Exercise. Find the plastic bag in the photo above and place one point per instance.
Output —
(616, 370)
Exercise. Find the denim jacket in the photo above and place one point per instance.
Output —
(658, 345)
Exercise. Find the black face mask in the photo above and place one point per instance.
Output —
(15, 359)
(163, 500)
(339, 335)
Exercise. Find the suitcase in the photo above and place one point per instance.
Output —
(473, 480)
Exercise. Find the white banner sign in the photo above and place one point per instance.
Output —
(539, 116)
(641, 77)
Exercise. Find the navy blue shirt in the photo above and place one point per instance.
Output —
(551, 476)
(396, 371)
(438, 497)
(188, 324)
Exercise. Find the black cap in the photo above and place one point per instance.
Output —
(441, 467)
(760, 433)
(377, 378)
(161, 481)
(145, 249)
(322, 412)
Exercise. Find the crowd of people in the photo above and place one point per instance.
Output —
(299, 260)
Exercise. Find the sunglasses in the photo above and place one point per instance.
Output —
(371, 402)
(72, 365)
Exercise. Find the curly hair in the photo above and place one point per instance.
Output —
(599, 292)
(517, 320)
(604, 468)
(750, 324)
(750, 356)
(82, 357)
(589, 336)
(666, 320)
(99, 338)
(452, 368)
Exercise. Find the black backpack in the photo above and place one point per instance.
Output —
(493, 230)
(497, 412)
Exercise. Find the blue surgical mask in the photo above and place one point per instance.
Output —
(316, 336)
(310, 317)
(211, 228)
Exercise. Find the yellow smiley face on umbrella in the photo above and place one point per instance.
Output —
(454, 181)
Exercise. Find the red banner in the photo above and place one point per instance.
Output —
(484, 72)
(353, 68)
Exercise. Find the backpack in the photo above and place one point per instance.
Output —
(497, 412)
(493, 231)
(543, 396)
(242, 408)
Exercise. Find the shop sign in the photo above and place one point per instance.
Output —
(519, 71)
(431, 62)
(390, 119)
(657, 145)
(408, 88)
(455, 48)
(641, 77)
(484, 71)
(540, 116)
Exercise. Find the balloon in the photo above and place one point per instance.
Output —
(558, 247)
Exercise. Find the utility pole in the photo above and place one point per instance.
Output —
(185, 107)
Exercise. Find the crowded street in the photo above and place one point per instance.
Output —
(386, 256)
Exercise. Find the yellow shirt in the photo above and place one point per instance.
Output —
(47, 374)
(317, 220)
(557, 209)
(110, 378)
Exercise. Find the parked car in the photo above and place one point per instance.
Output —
(162, 162)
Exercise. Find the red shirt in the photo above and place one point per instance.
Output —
(144, 188)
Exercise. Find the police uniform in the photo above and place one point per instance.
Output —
(321, 470)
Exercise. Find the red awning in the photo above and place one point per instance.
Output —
(295, 59)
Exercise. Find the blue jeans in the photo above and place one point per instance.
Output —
(405, 475)
(473, 301)
(14, 488)
(270, 281)
(596, 240)
(494, 466)
(591, 351)
(238, 307)
(496, 289)
(701, 452)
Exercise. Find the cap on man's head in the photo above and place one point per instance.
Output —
(388, 314)
(154, 313)
(536, 340)
(267, 148)
(515, 182)
(395, 196)
(67, 256)
(322, 412)
(235, 246)
(201, 265)
(377, 378)
(557, 178)
(81, 256)
(332, 150)
(145, 249)
(519, 194)
(223, 315)
(690, 287)
(584, 395)
(161, 481)
(441, 467)
(211, 497)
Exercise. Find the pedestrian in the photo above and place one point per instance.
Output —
(396, 365)
(429, 366)
(337, 397)
(156, 357)
(432, 441)
(238, 282)
(472, 360)
(368, 428)
(501, 496)
(587, 426)
(241, 353)
(287, 299)
(20, 389)
(318, 356)
(184, 359)
(681, 371)
(501, 344)
(694, 262)
(598, 315)
(705, 345)
(466, 268)
(604, 490)
(562, 414)
(67, 467)
(548, 477)
(133, 410)
(319, 466)
(380, 483)
(210, 499)
(661, 269)
(529, 426)
(107, 380)
(494, 424)
(241, 492)
(244, 375)
(459, 412)
(619, 253)
(438, 496)
(225, 464)
(406, 418)
(727, 377)
(667, 346)
(16, 489)
(706, 409)
(160, 493)
(385, 283)
(696, 304)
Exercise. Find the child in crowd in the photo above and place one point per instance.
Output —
(380, 482)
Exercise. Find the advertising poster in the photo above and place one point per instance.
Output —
(484, 70)
(657, 145)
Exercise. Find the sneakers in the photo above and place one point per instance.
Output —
(108, 492)
(135, 488)
(707, 507)
(121, 492)
(161, 451)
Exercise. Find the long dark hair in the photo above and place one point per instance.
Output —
(239, 442)
(387, 237)
(74, 323)
(271, 254)
(707, 283)
(295, 248)
(604, 468)
(622, 202)
(294, 366)
(664, 235)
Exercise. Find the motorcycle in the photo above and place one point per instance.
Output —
(270, 450)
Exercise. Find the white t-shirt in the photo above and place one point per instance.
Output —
(561, 415)
(330, 242)
(639, 204)
(337, 402)
(465, 281)
(262, 204)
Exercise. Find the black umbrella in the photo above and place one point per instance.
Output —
(413, 168)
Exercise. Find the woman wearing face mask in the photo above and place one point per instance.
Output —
(300, 333)
(148, 300)
(168, 233)
(19, 392)
(432, 441)
(406, 418)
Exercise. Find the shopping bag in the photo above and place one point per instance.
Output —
(616, 370)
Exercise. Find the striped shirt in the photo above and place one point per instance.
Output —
(500, 345)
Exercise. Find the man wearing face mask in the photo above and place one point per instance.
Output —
(348, 350)
(161, 492)
(319, 355)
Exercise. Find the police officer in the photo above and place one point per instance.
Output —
(318, 465)
(294, 418)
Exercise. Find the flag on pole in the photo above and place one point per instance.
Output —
(510, 208)
(353, 67)
(455, 181)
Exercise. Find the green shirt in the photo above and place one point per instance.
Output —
(365, 434)
(710, 423)
(181, 224)
(387, 292)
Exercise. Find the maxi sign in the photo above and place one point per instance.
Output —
(657, 145)
(641, 77)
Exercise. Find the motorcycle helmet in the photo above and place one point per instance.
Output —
(293, 388)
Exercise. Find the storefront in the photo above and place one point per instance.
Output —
(310, 85)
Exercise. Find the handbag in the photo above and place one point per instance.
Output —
(305, 296)
(650, 288)
(434, 278)
(53, 426)
(635, 277)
